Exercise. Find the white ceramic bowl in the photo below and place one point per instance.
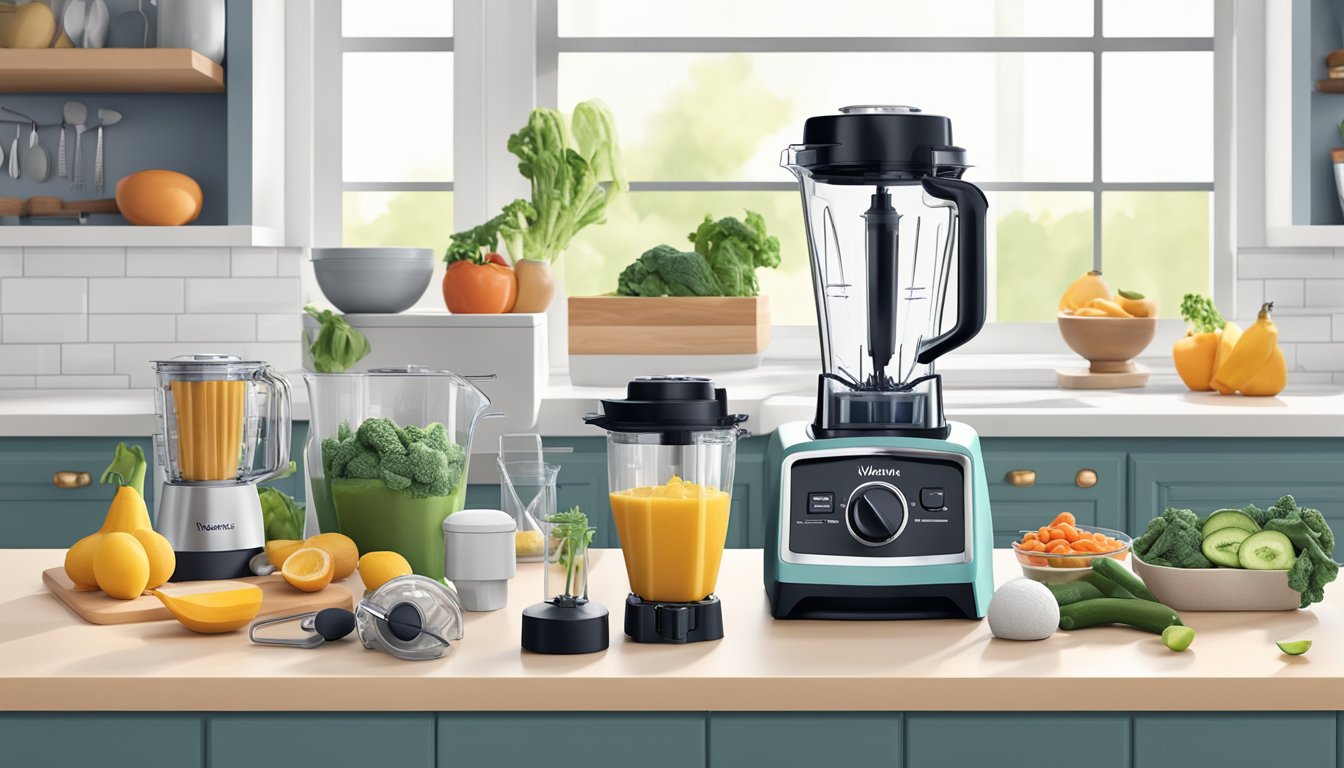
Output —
(1218, 589)
(1049, 568)
(373, 280)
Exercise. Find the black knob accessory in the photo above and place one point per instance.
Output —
(876, 515)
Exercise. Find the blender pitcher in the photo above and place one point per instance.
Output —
(388, 496)
(671, 448)
(223, 427)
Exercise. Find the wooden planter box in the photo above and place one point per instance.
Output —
(669, 325)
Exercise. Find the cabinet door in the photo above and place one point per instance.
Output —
(746, 522)
(58, 740)
(805, 740)
(578, 740)
(296, 485)
(33, 511)
(287, 739)
(1205, 478)
(936, 740)
(1234, 738)
(1056, 488)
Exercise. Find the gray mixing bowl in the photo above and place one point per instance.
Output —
(373, 280)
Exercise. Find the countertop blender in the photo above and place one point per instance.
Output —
(671, 450)
(223, 427)
(880, 507)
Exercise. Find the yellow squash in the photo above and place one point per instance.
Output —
(127, 513)
(1086, 288)
(1194, 356)
(162, 559)
(1227, 340)
(1250, 354)
(1136, 304)
(79, 561)
(1107, 306)
(120, 566)
(210, 612)
(1271, 379)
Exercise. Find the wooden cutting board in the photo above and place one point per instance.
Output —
(277, 598)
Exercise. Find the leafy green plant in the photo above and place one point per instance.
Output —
(574, 534)
(727, 254)
(338, 345)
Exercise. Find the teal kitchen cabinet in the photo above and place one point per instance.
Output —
(805, 739)
(1205, 475)
(36, 513)
(956, 740)
(296, 485)
(142, 739)
(1227, 738)
(570, 740)
(288, 739)
(1032, 480)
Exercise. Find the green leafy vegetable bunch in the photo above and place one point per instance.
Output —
(338, 345)
(727, 254)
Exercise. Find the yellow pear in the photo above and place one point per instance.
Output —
(162, 559)
(127, 513)
(121, 566)
(79, 561)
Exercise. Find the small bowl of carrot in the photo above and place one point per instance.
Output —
(1063, 550)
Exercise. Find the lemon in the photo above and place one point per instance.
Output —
(162, 560)
(279, 549)
(120, 566)
(341, 548)
(377, 568)
(79, 561)
(309, 569)
(528, 543)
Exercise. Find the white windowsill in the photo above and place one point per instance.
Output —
(88, 235)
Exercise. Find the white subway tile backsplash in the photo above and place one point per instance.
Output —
(283, 356)
(177, 262)
(1303, 327)
(288, 261)
(135, 295)
(1337, 328)
(132, 328)
(74, 262)
(1250, 295)
(1284, 293)
(280, 327)
(216, 328)
(36, 329)
(87, 358)
(36, 295)
(1325, 293)
(1320, 357)
(29, 359)
(17, 382)
(243, 294)
(11, 262)
(1311, 263)
(254, 262)
(83, 382)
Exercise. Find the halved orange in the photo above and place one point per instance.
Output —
(309, 569)
(342, 549)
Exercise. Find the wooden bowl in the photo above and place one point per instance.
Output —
(1108, 343)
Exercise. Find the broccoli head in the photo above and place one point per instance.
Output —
(665, 271)
(1315, 544)
(1173, 538)
(417, 461)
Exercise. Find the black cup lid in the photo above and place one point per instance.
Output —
(671, 405)
(867, 144)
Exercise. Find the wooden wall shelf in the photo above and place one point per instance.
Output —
(108, 70)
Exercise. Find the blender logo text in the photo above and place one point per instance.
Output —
(203, 527)
(868, 470)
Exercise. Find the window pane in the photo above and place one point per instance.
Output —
(640, 220)
(1157, 18)
(721, 117)
(1157, 116)
(1157, 243)
(397, 112)
(1041, 242)
(837, 18)
(413, 219)
(396, 18)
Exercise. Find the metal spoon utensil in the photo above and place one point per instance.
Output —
(36, 161)
(72, 114)
(14, 153)
(106, 117)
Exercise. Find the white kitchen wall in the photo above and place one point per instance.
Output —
(94, 317)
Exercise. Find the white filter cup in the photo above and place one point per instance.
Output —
(479, 557)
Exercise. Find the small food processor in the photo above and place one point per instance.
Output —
(879, 507)
(223, 427)
(671, 448)
(387, 457)
(566, 621)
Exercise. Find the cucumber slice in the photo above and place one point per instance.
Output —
(1221, 546)
(1228, 518)
(1177, 637)
(1266, 551)
(1294, 647)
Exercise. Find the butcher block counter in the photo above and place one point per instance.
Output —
(770, 692)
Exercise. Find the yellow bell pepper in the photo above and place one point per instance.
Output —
(1194, 356)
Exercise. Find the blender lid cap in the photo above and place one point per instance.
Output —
(870, 143)
(207, 361)
(667, 404)
(479, 521)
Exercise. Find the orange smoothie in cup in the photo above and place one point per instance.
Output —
(672, 537)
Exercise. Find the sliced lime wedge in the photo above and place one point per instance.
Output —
(1294, 647)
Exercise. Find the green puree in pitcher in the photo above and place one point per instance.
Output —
(392, 487)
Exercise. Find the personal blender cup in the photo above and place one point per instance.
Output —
(671, 447)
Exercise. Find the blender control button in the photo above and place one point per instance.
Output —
(931, 498)
(820, 503)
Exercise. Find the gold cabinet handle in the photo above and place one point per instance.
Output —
(1022, 478)
(1086, 478)
(69, 479)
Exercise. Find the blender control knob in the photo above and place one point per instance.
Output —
(876, 514)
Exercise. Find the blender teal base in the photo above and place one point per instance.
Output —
(879, 591)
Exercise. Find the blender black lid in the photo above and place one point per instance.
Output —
(865, 144)
(669, 405)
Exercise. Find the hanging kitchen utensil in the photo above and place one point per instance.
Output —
(36, 161)
(14, 153)
(129, 29)
(106, 117)
(73, 20)
(72, 114)
(77, 175)
(96, 20)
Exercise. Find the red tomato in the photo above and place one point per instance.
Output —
(495, 258)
